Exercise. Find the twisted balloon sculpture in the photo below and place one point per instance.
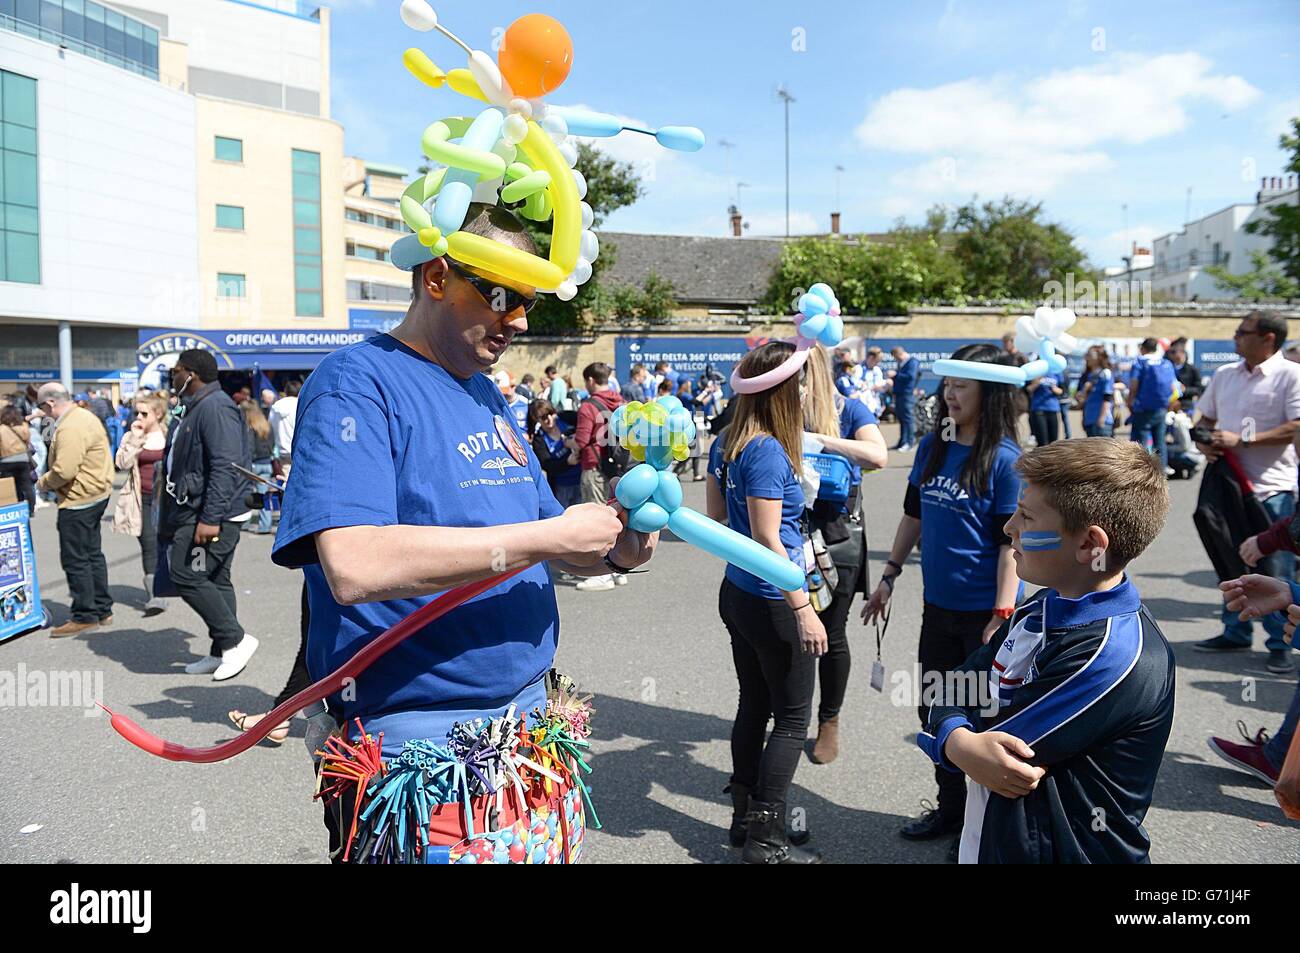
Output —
(518, 151)
(1045, 335)
(818, 319)
(657, 433)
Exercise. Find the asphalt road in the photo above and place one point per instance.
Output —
(656, 656)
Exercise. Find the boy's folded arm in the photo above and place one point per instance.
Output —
(1075, 701)
(948, 713)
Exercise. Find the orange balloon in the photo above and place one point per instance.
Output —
(535, 55)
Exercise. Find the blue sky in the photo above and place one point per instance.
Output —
(1086, 106)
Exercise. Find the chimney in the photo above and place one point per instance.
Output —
(835, 223)
(735, 221)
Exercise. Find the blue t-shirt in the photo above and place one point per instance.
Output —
(386, 437)
(761, 470)
(959, 557)
(519, 407)
(559, 451)
(853, 416)
(1103, 389)
(905, 376)
(1042, 398)
(1155, 380)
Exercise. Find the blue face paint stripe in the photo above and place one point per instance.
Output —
(1039, 542)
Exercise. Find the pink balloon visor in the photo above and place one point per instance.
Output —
(769, 379)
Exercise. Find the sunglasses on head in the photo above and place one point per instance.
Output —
(498, 297)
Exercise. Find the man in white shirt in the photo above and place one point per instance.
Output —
(1253, 409)
(284, 413)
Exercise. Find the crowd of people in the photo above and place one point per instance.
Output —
(1079, 678)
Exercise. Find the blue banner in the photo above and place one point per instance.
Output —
(1209, 356)
(688, 356)
(244, 349)
(20, 594)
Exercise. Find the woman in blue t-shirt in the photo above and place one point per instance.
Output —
(1045, 408)
(776, 636)
(1097, 393)
(844, 426)
(552, 441)
(962, 490)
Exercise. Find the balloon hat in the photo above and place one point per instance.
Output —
(818, 320)
(1044, 335)
(518, 151)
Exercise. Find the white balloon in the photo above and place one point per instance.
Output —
(588, 215)
(539, 108)
(418, 15)
(589, 245)
(570, 153)
(1043, 321)
(489, 78)
(514, 130)
(522, 107)
(581, 182)
(567, 290)
(1026, 337)
(581, 271)
(486, 191)
(1066, 343)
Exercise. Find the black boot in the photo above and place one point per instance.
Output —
(739, 808)
(737, 833)
(767, 842)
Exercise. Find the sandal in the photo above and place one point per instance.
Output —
(240, 720)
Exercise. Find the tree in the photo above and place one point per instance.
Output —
(1276, 275)
(1006, 250)
(611, 185)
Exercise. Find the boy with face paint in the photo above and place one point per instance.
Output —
(1075, 693)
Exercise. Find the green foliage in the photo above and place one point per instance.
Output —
(1276, 275)
(653, 302)
(998, 250)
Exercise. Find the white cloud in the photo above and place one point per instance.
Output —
(764, 222)
(996, 134)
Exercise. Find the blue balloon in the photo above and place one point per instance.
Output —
(636, 486)
(823, 291)
(649, 517)
(668, 493)
(989, 373)
(679, 418)
(1057, 362)
(659, 456)
(755, 558)
(680, 138)
(669, 402)
(618, 422)
(811, 304)
(458, 184)
(813, 326)
(408, 253)
(833, 333)
(1035, 369)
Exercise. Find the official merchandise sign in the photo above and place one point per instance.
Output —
(20, 594)
(238, 349)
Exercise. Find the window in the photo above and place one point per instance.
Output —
(230, 216)
(230, 285)
(305, 172)
(229, 150)
(366, 251)
(374, 291)
(376, 219)
(20, 244)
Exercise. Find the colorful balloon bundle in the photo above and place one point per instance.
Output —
(518, 151)
(514, 777)
(818, 320)
(657, 433)
(1045, 335)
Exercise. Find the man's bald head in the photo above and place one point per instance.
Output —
(53, 398)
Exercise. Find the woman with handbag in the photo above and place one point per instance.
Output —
(776, 636)
(844, 426)
(141, 449)
(15, 454)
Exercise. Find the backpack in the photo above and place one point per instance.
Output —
(611, 457)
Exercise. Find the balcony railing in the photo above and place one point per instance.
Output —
(46, 35)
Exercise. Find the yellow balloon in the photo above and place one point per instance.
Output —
(479, 252)
(681, 453)
(637, 452)
(656, 415)
(423, 68)
(463, 82)
(566, 232)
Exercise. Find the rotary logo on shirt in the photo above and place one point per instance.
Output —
(494, 453)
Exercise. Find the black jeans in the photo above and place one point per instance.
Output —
(948, 637)
(833, 667)
(201, 575)
(148, 535)
(22, 474)
(1045, 425)
(81, 554)
(776, 681)
(298, 676)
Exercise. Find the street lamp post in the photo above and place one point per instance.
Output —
(787, 99)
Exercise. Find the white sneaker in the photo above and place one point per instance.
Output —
(234, 660)
(204, 666)
(620, 579)
(596, 584)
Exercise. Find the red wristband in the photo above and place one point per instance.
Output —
(1005, 613)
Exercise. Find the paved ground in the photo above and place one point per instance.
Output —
(656, 656)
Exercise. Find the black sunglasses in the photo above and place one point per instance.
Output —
(491, 292)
